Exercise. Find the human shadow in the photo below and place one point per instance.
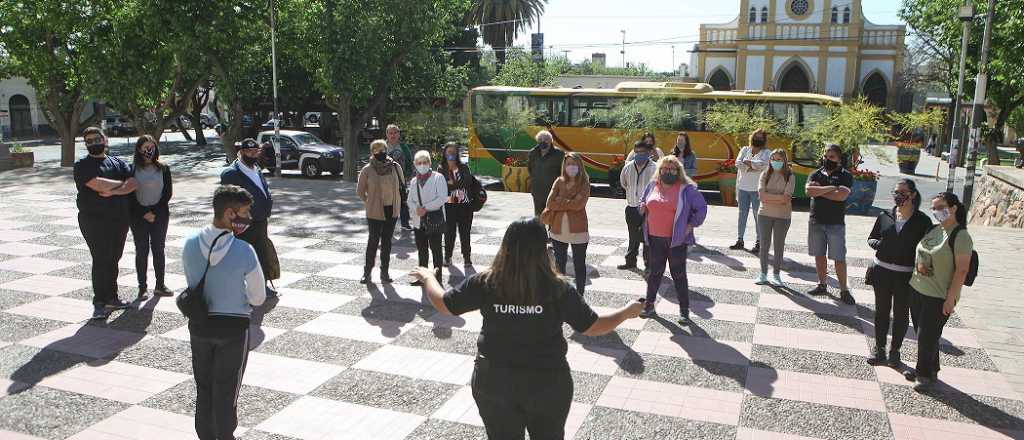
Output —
(715, 256)
(256, 333)
(833, 313)
(977, 411)
(64, 354)
(390, 311)
(611, 345)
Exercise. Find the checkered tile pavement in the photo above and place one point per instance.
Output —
(333, 359)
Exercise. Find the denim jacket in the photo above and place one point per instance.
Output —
(691, 211)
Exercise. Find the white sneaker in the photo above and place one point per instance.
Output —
(776, 280)
(762, 279)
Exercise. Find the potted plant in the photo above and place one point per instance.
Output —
(614, 171)
(727, 181)
(21, 157)
(514, 174)
(914, 127)
(862, 195)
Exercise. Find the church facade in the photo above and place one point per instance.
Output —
(817, 46)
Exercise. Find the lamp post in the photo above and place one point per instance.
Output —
(966, 15)
(277, 116)
(979, 108)
(623, 51)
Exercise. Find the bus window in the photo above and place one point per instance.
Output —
(591, 111)
(550, 110)
(687, 115)
(810, 113)
(786, 112)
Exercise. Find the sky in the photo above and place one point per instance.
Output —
(586, 26)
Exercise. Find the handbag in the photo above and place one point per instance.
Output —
(478, 195)
(191, 302)
(433, 222)
(869, 275)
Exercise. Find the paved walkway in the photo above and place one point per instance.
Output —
(336, 359)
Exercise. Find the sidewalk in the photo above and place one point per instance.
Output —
(336, 359)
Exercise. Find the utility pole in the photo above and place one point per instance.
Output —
(966, 16)
(565, 54)
(623, 51)
(673, 59)
(277, 116)
(979, 108)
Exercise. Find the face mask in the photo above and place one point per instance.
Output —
(899, 199)
(240, 224)
(423, 169)
(452, 157)
(759, 143)
(642, 157)
(669, 179)
(148, 154)
(249, 161)
(96, 149)
(831, 164)
(777, 165)
(572, 170)
(380, 156)
(544, 145)
(941, 215)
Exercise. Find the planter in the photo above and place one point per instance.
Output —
(22, 160)
(862, 197)
(908, 154)
(515, 179)
(727, 188)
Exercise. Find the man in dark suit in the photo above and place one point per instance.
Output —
(246, 173)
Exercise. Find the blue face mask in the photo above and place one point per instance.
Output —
(641, 157)
(777, 165)
(452, 157)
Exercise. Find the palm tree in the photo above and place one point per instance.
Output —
(501, 20)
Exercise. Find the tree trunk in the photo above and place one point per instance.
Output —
(197, 125)
(950, 114)
(350, 142)
(327, 129)
(232, 132)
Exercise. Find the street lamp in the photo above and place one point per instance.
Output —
(966, 15)
(623, 51)
(277, 116)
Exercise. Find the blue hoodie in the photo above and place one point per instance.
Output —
(234, 282)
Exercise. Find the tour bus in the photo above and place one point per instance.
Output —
(571, 117)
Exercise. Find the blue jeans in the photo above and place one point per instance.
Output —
(748, 201)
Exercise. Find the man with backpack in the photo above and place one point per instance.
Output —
(225, 273)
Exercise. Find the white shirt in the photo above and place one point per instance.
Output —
(748, 178)
(634, 179)
(253, 174)
(434, 194)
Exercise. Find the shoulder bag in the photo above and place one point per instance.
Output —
(433, 222)
(191, 302)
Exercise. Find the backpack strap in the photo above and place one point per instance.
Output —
(952, 242)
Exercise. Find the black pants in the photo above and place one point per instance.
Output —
(579, 261)
(425, 241)
(380, 237)
(150, 236)
(661, 253)
(458, 219)
(928, 321)
(403, 212)
(256, 235)
(892, 292)
(105, 237)
(513, 400)
(218, 362)
(635, 229)
(540, 201)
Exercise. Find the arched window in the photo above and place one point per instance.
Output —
(753, 14)
(846, 15)
(795, 79)
(719, 80)
(835, 15)
(875, 89)
(764, 14)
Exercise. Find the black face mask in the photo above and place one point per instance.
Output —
(240, 224)
(831, 165)
(96, 149)
(669, 179)
(248, 161)
(381, 156)
(759, 143)
(544, 145)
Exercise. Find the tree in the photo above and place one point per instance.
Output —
(849, 125)
(430, 127)
(739, 120)
(935, 22)
(50, 43)
(521, 71)
(501, 20)
(909, 123)
(631, 119)
(362, 53)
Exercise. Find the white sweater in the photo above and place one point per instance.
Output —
(634, 178)
(749, 178)
(434, 194)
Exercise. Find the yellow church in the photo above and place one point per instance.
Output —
(818, 46)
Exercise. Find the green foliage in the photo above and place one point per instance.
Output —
(1016, 121)
(520, 71)
(631, 119)
(850, 126)
(929, 120)
(496, 120)
(430, 127)
(739, 120)
(504, 19)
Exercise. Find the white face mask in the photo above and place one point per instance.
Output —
(941, 215)
(423, 169)
(572, 170)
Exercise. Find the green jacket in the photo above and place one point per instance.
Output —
(402, 155)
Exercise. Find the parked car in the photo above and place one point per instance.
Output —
(117, 125)
(182, 121)
(302, 151)
(313, 117)
(208, 121)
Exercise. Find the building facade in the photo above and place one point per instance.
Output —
(818, 46)
(24, 116)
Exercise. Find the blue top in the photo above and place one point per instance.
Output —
(225, 288)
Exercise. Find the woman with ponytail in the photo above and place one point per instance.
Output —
(894, 239)
(943, 260)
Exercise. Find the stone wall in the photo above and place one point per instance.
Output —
(999, 198)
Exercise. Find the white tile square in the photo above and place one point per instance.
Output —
(115, 381)
(25, 249)
(420, 364)
(34, 265)
(355, 327)
(257, 335)
(286, 374)
(13, 224)
(316, 418)
(320, 255)
(57, 308)
(86, 340)
(461, 408)
(15, 235)
(141, 423)
(46, 285)
(311, 300)
(172, 280)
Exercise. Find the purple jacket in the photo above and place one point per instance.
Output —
(691, 210)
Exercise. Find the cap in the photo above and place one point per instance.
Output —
(249, 143)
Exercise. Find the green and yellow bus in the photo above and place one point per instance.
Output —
(569, 114)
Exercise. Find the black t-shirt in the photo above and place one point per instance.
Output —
(525, 336)
(825, 211)
(89, 201)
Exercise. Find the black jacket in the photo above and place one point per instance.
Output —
(465, 178)
(898, 248)
(162, 206)
(544, 170)
(262, 201)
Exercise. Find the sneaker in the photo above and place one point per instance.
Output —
(648, 311)
(756, 249)
(894, 359)
(162, 290)
(846, 297)
(819, 290)
(626, 266)
(366, 277)
(761, 279)
(684, 318)
(406, 227)
(879, 357)
(776, 280)
(909, 374)
(738, 246)
(116, 304)
(924, 384)
(385, 278)
(100, 312)
(143, 294)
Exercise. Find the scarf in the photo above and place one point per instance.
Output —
(422, 178)
(382, 168)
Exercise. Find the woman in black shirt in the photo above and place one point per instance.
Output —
(522, 379)
(150, 213)
(894, 239)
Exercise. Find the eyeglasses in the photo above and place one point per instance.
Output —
(900, 193)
